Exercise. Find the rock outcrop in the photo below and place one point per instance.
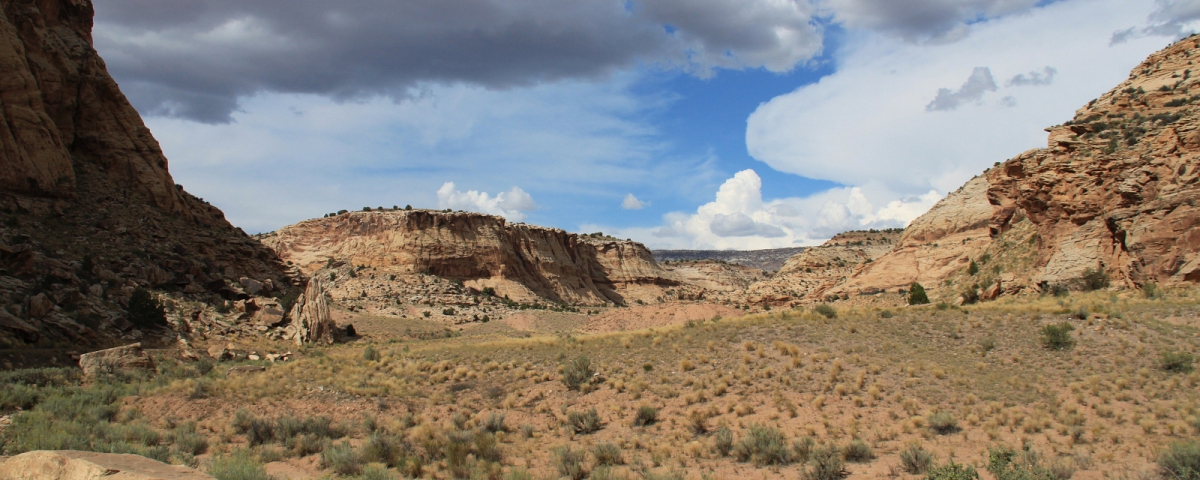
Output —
(524, 262)
(1115, 196)
(810, 276)
(88, 209)
(311, 322)
(76, 465)
(114, 360)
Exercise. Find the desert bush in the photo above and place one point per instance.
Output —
(1058, 336)
(376, 472)
(342, 459)
(826, 464)
(1177, 362)
(825, 310)
(1094, 279)
(886, 314)
(607, 453)
(1007, 464)
(19, 397)
(763, 445)
(1181, 460)
(802, 448)
(1152, 291)
(916, 295)
(569, 463)
(381, 448)
(942, 423)
(857, 451)
(370, 354)
(915, 459)
(577, 373)
(238, 466)
(697, 422)
(495, 423)
(188, 441)
(723, 441)
(584, 422)
(145, 311)
(646, 416)
(257, 431)
(953, 471)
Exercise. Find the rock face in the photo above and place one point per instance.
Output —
(770, 260)
(310, 316)
(88, 209)
(75, 465)
(112, 360)
(810, 276)
(481, 251)
(1116, 190)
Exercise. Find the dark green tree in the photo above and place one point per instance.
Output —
(145, 311)
(916, 295)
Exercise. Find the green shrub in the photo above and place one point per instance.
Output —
(825, 310)
(1094, 279)
(826, 464)
(1181, 460)
(495, 423)
(376, 472)
(646, 416)
(857, 451)
(915, 459)
(916, 295)
(953, 471)
(238, 466)
(802, 448)
(584, 422)
(1152, 291)
(342, 459)
(188, 441)
(607, 453)
(763, 445)
(577, 373)
(370, 354)
(257, 431)
(973, 268)
(723, 441)
(1008, 464)
(1058, 336)
(570, 463)
(381, 448)
(886, 314)
(1177, 362)
(145, 311)
(942, 423)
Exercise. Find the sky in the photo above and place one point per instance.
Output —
(696, 124)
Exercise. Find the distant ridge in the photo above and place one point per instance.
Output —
(769, 260)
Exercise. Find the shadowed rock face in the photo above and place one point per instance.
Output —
(88, 210)
(1117, 189)
(550, 263)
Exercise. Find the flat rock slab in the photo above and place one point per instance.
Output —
(76, 465)
(128, 357)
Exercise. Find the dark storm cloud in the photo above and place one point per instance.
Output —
(922, 20)
(195, 59)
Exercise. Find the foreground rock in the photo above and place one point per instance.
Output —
(311, 322)
(114, 360)
(88, 209)
(75, 465)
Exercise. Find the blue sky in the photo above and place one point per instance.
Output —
(681, 124)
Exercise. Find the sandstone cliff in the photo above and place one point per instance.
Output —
(88, 210)
(810, 276)
(521, 261)
(1115, 191)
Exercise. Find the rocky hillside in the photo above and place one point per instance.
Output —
(1112, 198)
(768, 260)
(88, 209)
(810, 275)
(480, 252)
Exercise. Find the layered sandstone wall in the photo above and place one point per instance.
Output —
(471, 247)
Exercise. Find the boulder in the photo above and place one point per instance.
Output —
(250, 285)
(218, 353)
(128, 357)
(40, 305)
(310, 316)
(75, 465)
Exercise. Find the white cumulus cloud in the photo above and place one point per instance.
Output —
(511, 205)
(739, 217)
(866, 125)
(632, 203)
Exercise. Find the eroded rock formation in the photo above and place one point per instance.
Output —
(524, 262)
(311, 322)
